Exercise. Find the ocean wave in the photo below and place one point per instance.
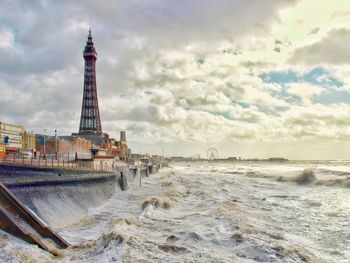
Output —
(187, 216)
(172, 248)
(125, 221)
(157, 202)
(201, 194)
(227, 208)
(108, 246)
(258, 174)
(235, 172)
(194, 236)
(175, 192)
(237, 238)
(172, 238)
(166, 184)
(334, 182)
(15, 250)
(101, 242)
(113, 236)
(308, 177)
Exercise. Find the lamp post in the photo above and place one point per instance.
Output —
(44, 144)
(56, 144)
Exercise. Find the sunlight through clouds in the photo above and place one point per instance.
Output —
(227, 73)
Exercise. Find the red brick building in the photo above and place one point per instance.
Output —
(65, 146)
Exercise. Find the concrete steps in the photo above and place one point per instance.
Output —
(16, 219)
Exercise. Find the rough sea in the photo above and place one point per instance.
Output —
(214, 212)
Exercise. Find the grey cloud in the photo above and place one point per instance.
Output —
(187, 18)
(322, 121)
(41, 26)
(314, 31)
(256, 64)
(45, 68)
(331, 49)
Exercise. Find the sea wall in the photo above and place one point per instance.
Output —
(60, 197)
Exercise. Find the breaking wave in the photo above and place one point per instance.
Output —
(213, 213)
(308, 177)
(334, 182)
(172, 248)
(157, 202)
(258, 174)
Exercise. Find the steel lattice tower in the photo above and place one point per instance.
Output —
(90, 115)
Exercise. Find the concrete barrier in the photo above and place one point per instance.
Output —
(60, 197)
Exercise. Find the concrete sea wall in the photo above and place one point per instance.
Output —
(60, 197)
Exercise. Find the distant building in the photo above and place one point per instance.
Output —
(64, 147)
(2, 151)
(99, 160)
(124, 152)
(177, 159)
(136, 156)
(80, 147)
(277, 159)
(29, 141)
(11, 136)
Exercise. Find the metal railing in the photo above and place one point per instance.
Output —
(59, 163)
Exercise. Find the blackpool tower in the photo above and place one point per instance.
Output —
(90, 123)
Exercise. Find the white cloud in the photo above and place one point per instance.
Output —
(6, 39)
(305, 91)
(177, 74)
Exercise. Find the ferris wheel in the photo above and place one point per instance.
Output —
(212, 154)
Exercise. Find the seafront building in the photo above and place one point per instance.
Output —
(68, 147)
(29, 141)
(14, 139)
(12, 136)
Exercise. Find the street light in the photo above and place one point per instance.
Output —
(56, 143)
(44, 144)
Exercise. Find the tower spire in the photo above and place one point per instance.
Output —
(90, 115)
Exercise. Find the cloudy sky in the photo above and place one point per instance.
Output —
(252, 78)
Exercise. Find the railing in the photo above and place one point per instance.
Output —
(59, 163)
